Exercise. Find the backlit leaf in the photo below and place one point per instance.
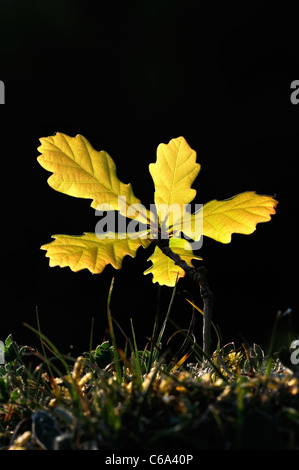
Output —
(173, 174)
(81, 171)
(163, 269)
(92, 251)
(239, 214)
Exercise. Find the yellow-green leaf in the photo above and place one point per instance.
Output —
(239, 214)
(81, 171)
(92, 251)
(163, 269)
(173, 174)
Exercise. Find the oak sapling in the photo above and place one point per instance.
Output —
(81, 171)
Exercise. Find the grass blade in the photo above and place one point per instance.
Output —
(111, 331)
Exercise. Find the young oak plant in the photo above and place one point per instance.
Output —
(81, 171)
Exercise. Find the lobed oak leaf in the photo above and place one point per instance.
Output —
(163, 269)
(173, 174)
(81, 171)
(93, 252)
(239, 214)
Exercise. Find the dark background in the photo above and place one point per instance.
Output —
(129, 76)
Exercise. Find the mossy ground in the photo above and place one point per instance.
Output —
(240, 399)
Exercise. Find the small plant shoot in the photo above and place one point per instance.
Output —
(81, 171)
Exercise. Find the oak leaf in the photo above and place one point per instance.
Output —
(80, 171)
(93, 251)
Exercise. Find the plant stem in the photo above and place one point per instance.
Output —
(207, 297)
(199, 275)
(111, 331)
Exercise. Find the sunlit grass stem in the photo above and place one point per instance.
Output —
(113, 340)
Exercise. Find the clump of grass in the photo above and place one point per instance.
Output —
(148, 399)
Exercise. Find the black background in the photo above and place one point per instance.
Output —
(128, 76)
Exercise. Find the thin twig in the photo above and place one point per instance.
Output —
(199, 275)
